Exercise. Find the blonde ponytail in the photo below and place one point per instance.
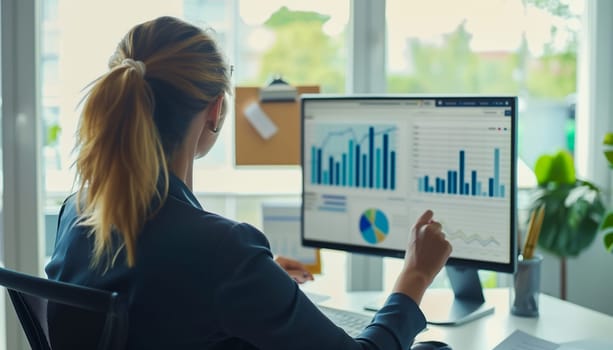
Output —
(120, 159)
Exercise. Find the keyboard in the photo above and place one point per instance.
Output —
(352, 322)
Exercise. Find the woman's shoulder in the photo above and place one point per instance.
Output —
(198, 227)
(184, 216)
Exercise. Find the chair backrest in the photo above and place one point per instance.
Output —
(88, 308)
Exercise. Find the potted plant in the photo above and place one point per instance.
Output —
(573, 209)
(607, 223)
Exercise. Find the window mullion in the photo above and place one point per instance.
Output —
(367, 47)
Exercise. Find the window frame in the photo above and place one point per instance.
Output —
(21, 148)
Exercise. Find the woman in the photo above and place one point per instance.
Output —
(193, 279)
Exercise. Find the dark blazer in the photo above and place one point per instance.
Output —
(202, 281)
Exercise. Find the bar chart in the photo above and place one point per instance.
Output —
(357, 156)
(457, 181)
(461, 160)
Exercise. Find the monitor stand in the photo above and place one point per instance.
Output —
(467, 303)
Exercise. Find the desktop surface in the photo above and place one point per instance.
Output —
(559, 321)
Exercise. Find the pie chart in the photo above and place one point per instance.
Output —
(374, 226)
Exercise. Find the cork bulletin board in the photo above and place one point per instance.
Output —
(282, 148)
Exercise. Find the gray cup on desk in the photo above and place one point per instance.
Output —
(527, 287)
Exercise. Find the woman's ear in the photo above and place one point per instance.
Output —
(215, 114)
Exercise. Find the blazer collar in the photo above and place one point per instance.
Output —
(178, 189)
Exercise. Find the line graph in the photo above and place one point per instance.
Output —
(480, 231)
(472, 238)
(354, 135)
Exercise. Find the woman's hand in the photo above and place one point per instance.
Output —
(294, 269)
(426, 255)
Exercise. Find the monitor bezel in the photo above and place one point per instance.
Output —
(384, 252)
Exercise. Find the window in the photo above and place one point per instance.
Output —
(260, 39)
(525, 48)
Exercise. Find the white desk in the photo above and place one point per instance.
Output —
(559, 321)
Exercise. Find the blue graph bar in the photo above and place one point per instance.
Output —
(314, 169)
(331, 167)
(393, 170)
(371, 156)
(378, 170)
(496, 172)
(364, 171)
(350, 165)
(463, 181)
(364, 159)
(337, 172)
(344, 167)
(319, 168)
(473, 181)
(357, 166)
(462, 173)
(385, 155)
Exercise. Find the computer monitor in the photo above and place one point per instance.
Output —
(372, 164)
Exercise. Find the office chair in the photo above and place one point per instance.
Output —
(87, 308)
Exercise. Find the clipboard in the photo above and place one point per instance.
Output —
(283, 146)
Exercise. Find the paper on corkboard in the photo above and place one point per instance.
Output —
(282, 148)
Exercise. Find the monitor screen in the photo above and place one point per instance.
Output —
(372, 164)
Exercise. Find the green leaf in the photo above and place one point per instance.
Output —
(609, 156)
(607, 222)
(608, 241)
(53, 133)
(562, 168)
(608, 147)
(558, 168)
(542, 169)
(573, 214)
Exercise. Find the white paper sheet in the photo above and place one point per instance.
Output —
(587, 344)
(520, 340)
(281, 225)
(262, 123)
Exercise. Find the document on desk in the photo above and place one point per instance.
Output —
(587, 344)
(281, 224)
(520, 340)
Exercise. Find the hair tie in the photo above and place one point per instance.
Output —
(139, 66)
